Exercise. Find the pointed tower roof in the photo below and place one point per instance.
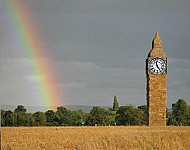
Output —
(156, 35)
(156, 42)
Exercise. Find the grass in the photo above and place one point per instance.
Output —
(93, 138)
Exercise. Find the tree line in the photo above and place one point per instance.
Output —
(124, 115)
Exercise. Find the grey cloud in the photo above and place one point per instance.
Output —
(98, 49)
(110, 6)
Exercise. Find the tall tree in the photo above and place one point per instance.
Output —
(20, 116)
(61, 112)
(115, 104)
(180, 112)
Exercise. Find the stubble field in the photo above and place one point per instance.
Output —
(93, 138)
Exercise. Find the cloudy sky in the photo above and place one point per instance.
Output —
(98, 49)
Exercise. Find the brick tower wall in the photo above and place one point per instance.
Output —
(156, 99)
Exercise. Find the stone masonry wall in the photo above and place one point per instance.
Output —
(156, 99)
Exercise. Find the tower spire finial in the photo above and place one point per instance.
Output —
(156, 42)
(156, 35)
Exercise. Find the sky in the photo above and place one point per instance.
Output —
(97, 49)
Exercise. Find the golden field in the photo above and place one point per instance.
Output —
(92, 138)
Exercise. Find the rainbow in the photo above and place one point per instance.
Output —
(26, 33)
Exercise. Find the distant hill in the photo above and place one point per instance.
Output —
(32, 109)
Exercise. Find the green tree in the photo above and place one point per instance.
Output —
(84, 115)
(96, 116)
(101, 116)
(21, 119)
(188, 118)
(2, 117)
(32, 121)
(8, 117)
(20, 116)
(188, 108)
(109, 117)
(40, 118)
(143, 108)
(75, 117)
(128, 115)
(61, 112)
(50, 115)
(52, 118)
(115, 104)
(170, 119)
(180, 113)
(20, 108)
(68, 117)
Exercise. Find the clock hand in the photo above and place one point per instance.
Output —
(157, 65)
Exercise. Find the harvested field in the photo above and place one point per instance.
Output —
(92, 138)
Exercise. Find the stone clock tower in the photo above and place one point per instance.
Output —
(156, 73)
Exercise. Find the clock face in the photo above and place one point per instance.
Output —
(157, 66)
